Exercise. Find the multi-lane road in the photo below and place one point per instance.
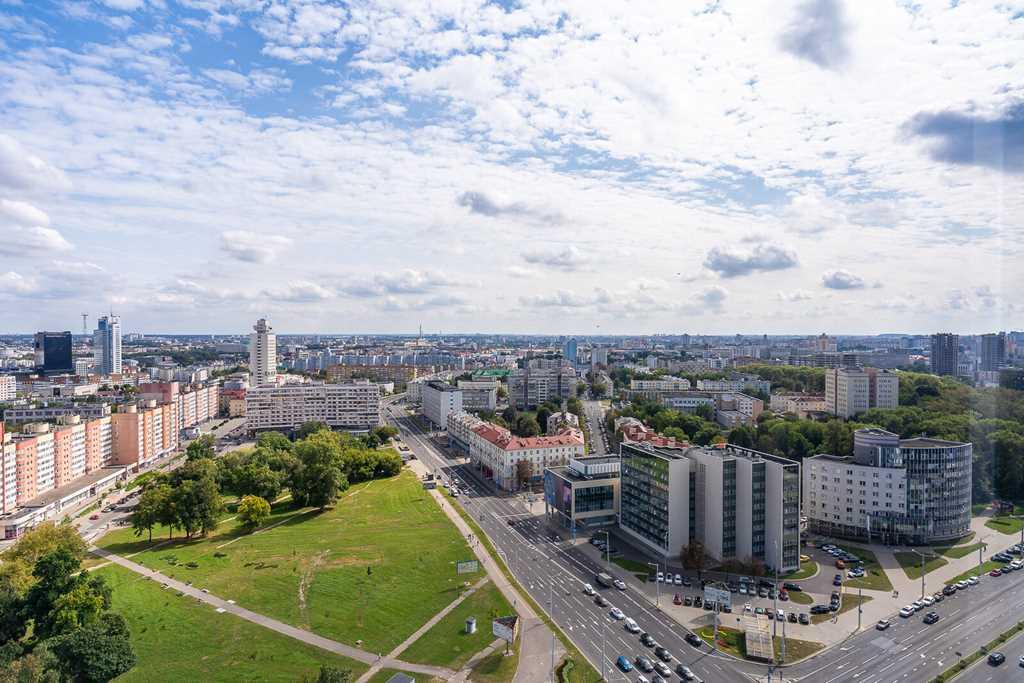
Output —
(553, 572)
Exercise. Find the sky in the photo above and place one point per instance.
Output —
(577, 167)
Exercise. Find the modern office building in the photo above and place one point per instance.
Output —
(53, 352)
(571, 351)
(740, 504)
(530, 386)
(440, 399)
(993, 351)
(106, 344)
(262, 354)
(583, 495)
(351, 406)
(945, 353)
(598, 358)
(851, 391)
(913, 491)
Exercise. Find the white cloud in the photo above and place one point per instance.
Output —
(300, 291)
(21, 241)
(252, 247)
(564, 258)
(22, 170)
(255, 83)
(794, 296)
(729, 262)
(124, 5)
(843, 279)
(22, 213)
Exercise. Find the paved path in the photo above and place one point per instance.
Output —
(275, 625)
(423, 629)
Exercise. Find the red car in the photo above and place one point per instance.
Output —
(995, 572)
(94, 516)
(677, 600)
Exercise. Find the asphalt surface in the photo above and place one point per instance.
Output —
(595, 420)
(1010, 670)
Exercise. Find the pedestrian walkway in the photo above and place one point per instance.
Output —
(423, 629)
(275, 625)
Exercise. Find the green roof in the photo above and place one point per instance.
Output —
(494, 372)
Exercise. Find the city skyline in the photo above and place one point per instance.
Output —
(534, 167)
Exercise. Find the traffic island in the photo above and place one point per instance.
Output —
(733, 642)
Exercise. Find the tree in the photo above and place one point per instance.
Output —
(17, 562)
(330, 674)
(274, 441)
(201, 449)
(253, 511)
(307, 429)
(322, 483)
(198, 505)
(12, 622)
(510, 415)
(385, 433)
(502, 391)
(97, 652)
(742, 436)
(523, 472)
(527, 425)
(151, 509)
(692, 556)
(599, 388)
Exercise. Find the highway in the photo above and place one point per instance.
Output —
(554, 572)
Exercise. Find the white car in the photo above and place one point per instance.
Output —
(588, 589)
(928, 600)
(907, 611)
(661, 577)
(631, 626)
(743, 589)
(780, 615)
(620, 584)
(973, 580)
(617, 614)
(917, 605)
(748, 608)
(678, 580)
(962, 585)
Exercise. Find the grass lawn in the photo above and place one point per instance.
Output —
(795, 649)
(384, 675)
(178, 639)
(641, 570)
(964, 540)
(730, 640)
(985, 568)
(447, 643)
(911, 564)
(374, 568)
(807, 570)
(800, 598)
(850, 600)
(1005, 525)
(978, 508)
(876, 578)
(498, 668)
(958, 551)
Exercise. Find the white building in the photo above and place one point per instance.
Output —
(561, 420)
(663, 384)
(440, 399)
(851, 391)
(106, 344)
(262, 354)
(479, 394)
(8, 474)
(353, 406)
(8, 388)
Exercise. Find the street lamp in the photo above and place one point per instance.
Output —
(607, 547)
(657, 584)
(922, 556)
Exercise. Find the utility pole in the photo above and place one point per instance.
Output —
(551, 607)
(860, 605)
(657, 584)
(604, 639)
(921, 555)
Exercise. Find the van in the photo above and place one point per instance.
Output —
(604, 579)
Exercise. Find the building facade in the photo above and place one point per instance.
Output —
(530, 386)
(915, 491)
(351, 406)
(440, 399)
(106, 344)
(945, 353)
(479, 395)
(53, 352)
(262, 354)
(851, 391)
(583, 495)
(993, 351)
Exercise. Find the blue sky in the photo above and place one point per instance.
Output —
(566, 167)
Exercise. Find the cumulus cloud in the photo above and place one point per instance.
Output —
(567, 298)
(794, 296)
(21, 240)
(124, 5)
(567, 258)
(408, 281)
(842, 279)
(252, 247)
(966, 139)
(300, 291)
(818, 33)
(15, 284)
(729, 262)
(483, 204)
(22, 213)
(21, 170)
(256, 82)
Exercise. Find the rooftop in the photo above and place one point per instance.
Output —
(928, 442)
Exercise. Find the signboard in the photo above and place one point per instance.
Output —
(467, 567)
(720, 596)
(504, 628)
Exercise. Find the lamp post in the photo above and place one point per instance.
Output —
(607, 547)
(657, 584)
(922, 556)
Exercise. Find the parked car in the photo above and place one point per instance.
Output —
(907, 611)
(820, 609)
(791, 617)
(647, 639)
(972, 581)
(600, 600)
(792, 587)
(688, 601)
(692, 639)
(661, 577)
(883, 624)
(950, 589)
(804, 619)
(677, 600)
(783, 595)
(620, 584)
(631, 626)
(840, 564)
(837, 580)
(623, 663)
(938, 597)
(617, 614)
(662, 669)
(928, 600)
(684, 672)
(643, 664)
(678, 580)
(588, 589)
(996, 658)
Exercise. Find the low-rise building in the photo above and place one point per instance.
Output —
(479, 395)
(352, 406)
(660, 384)
(584, 494)
(560, 421)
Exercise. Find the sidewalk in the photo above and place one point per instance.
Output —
(274, 625)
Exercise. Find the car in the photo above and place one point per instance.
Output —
(973, 581)
(601, 601)
(780, 615)
(928, 600)
(828, 546)
(620, 584)
(840, 564)
(837, 580)
(623, 663)
(647, 639)
(995, 572)
(697, 600)
(783, 595)
(996, 658)
(663, 654)
(804, 619)
(693, 640)
(94, 516)
(643, 664)
(662, 668)
(631, 626)
(725, 608)
(949, 590)
(685, 673)
(931, 617)
(770, 614)
(709, 605)
(677, 600)
(917, 605)
(743, 589)
(747, 607)
(759, 610)
(938, 597)
(660, 578)
(688, 601)
(1006, 570)
(678, 580)
(791, 617)
(1020, 662)
(961, 585)
(805, 558)
(792, 587)
(907, 611)
(687, 582)
(588, 589)
(820, 609)
(883, 624)
(616, 614)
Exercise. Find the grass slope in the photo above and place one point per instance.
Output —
(178, 639)
(911, 564)
(876, 578)
(373, 568)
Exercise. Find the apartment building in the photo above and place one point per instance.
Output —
(496, 452)
(660, 384)
(192, 404)
(142, 433)
(914, 491)
(399, 374)
(352, 406)
(560, 421)
(35, 461)
(69, 453)
(262, 354)
(440, 399)
(479, 394)
(99, 443)
(800, 405)
(739, 503)
(530, 386)
(944, 355)
(851, 391)
(742, 383)
(8, 472)
(732, 409)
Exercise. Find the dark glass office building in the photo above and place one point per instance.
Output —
(53, 352)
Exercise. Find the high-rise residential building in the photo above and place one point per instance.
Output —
(262, 354)
(440, 399)
(945, 353)
(909, 491)
(8, 472)
(993, 351)
(530, 386)
(479, 394)
(53, 353)
(738, 503)
(8, 388)
(850, 391)
(106, 344)
(570, 351)
(353, 406)
(598, 357)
